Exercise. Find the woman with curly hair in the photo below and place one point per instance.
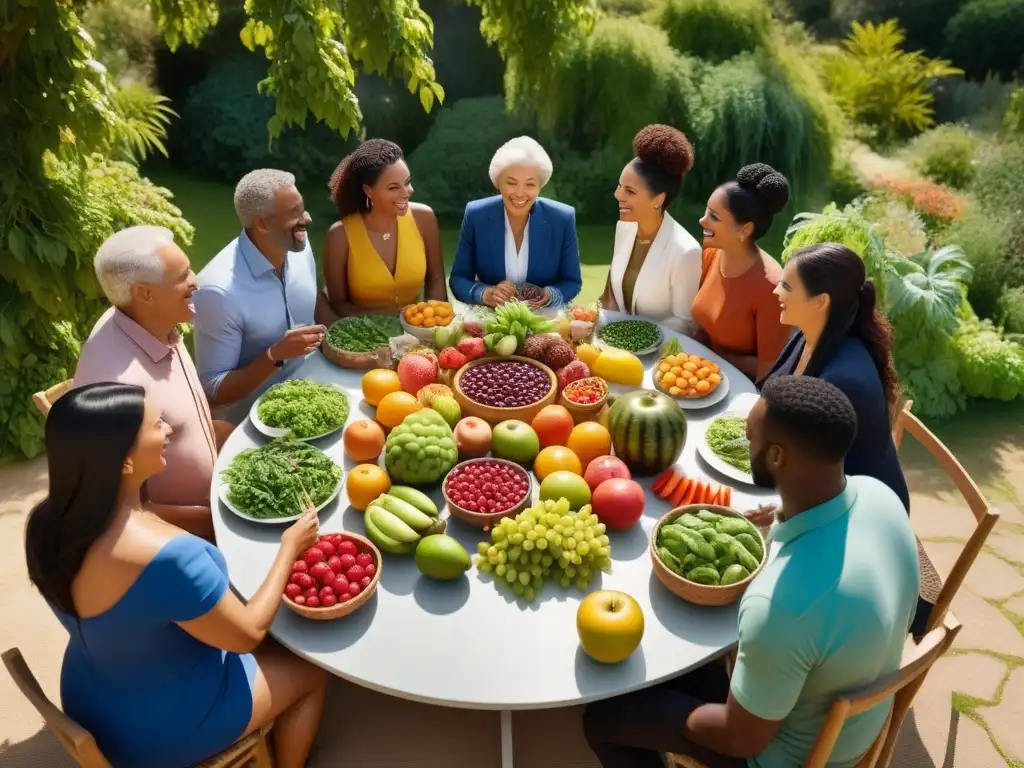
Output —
(736, 306)
(384, 249)
(655, 266)
(517, 237)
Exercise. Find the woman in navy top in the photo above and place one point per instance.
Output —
(164, 666)
(842, 337)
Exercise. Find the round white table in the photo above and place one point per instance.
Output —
(465, 643)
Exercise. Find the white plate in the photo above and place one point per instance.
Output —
(254, 417)
(222, 493)
(697, 403)
(601, 343)
(740, 408)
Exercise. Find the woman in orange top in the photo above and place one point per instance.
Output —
(735, 306)
(384, 250)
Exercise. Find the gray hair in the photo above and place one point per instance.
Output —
(522, 150)
(256, 193)
(130, 257)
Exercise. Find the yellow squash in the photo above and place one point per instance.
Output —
(618, 366)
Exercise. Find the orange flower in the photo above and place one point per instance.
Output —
(931, 200)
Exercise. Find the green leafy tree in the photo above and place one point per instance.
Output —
(72, 139)
(881, 86)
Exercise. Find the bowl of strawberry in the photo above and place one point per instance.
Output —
(480, 492)
(334, 577)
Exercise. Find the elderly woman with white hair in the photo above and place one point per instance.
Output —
(516, 237)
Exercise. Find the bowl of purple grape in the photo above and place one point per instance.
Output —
(496, 389)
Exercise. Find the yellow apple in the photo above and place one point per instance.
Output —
(610, 625)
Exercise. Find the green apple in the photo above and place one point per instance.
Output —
(516, 441)
(610, 625)
(565, 485)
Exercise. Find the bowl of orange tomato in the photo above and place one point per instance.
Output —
(694, 381)
(422, 318)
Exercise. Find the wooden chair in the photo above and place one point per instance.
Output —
(44, 400)
(81, 746)
(901, 685)
(932, 587)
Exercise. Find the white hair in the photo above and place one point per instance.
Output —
(523, 151)
(130, 257)
(256, 193)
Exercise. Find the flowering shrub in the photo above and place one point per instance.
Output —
(938, 205)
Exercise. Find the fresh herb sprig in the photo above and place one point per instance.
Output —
(266, 482)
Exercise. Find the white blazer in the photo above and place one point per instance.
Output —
(669, 278)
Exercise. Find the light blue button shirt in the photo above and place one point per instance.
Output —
(242, 308)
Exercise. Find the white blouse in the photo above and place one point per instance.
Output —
(669, 278)
(516, 262)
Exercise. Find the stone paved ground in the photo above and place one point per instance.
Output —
(969, 713)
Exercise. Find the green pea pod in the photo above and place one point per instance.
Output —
(708, 533)
(752, 544)
(678, 548)
(671, 561)
(668, 532)
(691, 561)
(733, 525)
(704, 574)
(698, 545)
(734, 574)
(688, 521)
(744, 558)
(708, 516)
(725, 560)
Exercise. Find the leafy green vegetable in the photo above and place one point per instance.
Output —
(363, 333)
(267, 482)
(727, 438)
(307, 408)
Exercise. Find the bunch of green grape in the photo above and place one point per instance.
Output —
(548, 540)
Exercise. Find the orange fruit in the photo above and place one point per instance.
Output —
(553, 425)
(588, 441)
(394, 407)
(365, 483)
(379, 382)
(364, 440)
(555, 458)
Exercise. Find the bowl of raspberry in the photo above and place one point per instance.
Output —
(333, 578)
(480, 492)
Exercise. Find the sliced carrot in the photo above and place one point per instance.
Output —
(681, 491)
(706, 493)
(671, 485)
(697, 493)
(728, 497)
(662, 479)
(714, 494)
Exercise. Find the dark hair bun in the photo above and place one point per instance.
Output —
(768, 185)
(664, 146)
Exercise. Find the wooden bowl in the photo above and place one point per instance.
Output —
(486, 520)
(491, 414)
(339, 610)
(691, 592)
(380, 358)
(588, 412)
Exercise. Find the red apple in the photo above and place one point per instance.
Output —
(619, 503)
(472, 437)
(605, 468)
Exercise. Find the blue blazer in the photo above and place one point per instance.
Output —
(480, 257)
(852, 370)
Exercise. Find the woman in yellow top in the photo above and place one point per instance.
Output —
(385, 250)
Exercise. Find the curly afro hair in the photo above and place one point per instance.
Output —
(758, 193)
(363, 167)
(663, 155)
(811, 415)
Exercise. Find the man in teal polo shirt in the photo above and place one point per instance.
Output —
(828, 614)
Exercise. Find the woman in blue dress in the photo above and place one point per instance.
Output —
(517, 237)
(165, 666)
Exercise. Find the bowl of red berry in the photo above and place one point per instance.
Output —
(480, 492)
(334, 577)
(498, 389)
(584, 398)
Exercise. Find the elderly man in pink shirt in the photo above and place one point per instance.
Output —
(149, 282)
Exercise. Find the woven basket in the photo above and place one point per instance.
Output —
(493, 415)
(691, 592)
(340, 610)
(357, 360)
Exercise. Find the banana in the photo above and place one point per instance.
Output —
(383, 542)
(405, 512)
(418, 499)
(391, 525)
